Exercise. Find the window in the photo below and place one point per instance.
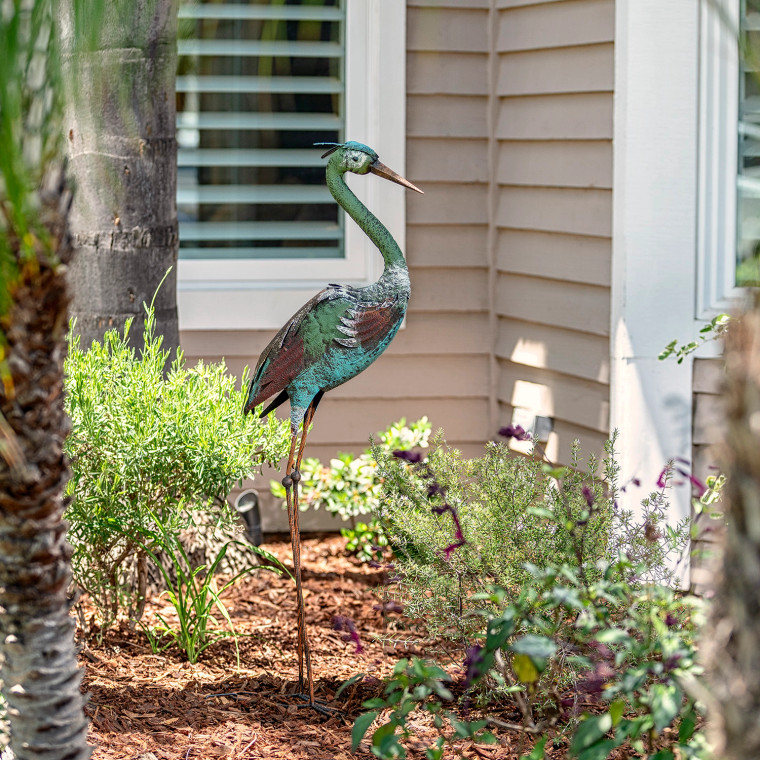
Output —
(258, 84)
(748, 185)
(718, 160)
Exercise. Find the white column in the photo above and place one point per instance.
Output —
(654, 236)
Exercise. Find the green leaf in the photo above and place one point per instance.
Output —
(538, 751)
(617, 710)
(534, 646)
(612, 636)
(387, 729)
(361, 724)
(599, 751)
(688, 724)
(589, 732)
(525, 669)
(663, 754)
(665, 703)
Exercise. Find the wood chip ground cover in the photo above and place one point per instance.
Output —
(158, 707)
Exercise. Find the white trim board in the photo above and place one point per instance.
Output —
(263, 294)
(654, 236)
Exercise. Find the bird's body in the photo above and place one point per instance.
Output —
(332, 338)
(340, 331)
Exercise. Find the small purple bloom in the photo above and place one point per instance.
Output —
(699, 486)
(436, 489)
(413, 457)
(389, 606)
(515, 431)
(663, 478)
(636, 482)
(671, 620)
(672, 662)
(459, 539)
(346, 624)
(472, 665)
(588, 495)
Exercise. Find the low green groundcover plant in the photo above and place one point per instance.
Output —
(555, 598)
(152, 444)
(349, 487)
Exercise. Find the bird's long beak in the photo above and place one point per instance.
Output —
(376, 167)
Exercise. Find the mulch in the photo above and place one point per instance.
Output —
(159, 707)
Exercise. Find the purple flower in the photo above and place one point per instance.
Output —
(413, 457)
(588, 495)
(671, 620)
(346, 624)
(459, 539)
(662, 480)
(699, 486)
(672, 662)
(473, 662)
(515, 431)
(436, 489)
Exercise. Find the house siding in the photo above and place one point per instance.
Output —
(509, 128)
(553, 91)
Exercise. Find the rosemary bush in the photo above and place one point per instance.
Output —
(150, 444)
(559, 597)
(458, 526)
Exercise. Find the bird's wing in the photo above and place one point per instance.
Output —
(370, 325)
(285, 356)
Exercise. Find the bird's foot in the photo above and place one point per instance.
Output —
(320, 707)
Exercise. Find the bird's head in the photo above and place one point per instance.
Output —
(360, 159)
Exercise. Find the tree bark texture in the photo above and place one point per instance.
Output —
(120, 127)
(39, 667)
(733, 643)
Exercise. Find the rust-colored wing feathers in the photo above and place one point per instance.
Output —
(372, 323)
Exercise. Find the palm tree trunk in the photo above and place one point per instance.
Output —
(733, 642)
(123, 157)
(39, 668)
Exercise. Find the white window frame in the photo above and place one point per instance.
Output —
(262, 294)
(718, 159)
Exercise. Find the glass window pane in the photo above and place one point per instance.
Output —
(258, 84)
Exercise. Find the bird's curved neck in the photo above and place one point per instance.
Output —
(376, 231)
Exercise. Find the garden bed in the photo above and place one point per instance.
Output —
(157, 707)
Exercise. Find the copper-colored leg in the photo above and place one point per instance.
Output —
(290, 481)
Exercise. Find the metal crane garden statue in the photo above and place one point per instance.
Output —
(329, 340)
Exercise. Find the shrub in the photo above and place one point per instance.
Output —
(458, 526)
(563, 644)
(350, 486)
(557, 594)
(150, 444)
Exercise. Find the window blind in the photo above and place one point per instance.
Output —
(257, 85)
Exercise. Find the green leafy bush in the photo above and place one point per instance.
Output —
(560, 597)
(458, 526)
(630, 650)
(350, 486)
(150, 444)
